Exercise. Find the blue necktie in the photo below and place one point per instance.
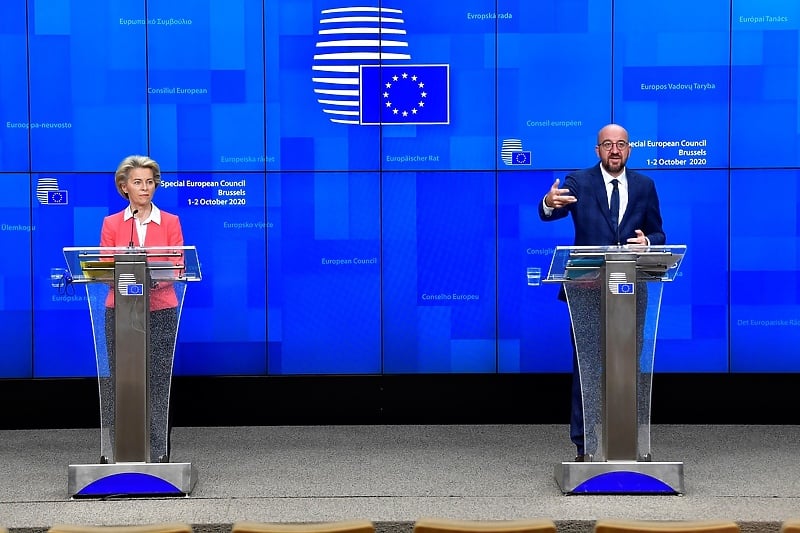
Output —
(614, 208)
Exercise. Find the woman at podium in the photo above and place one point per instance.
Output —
(142, 224)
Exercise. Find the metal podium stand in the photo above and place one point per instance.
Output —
(133, 428)
(614, 297)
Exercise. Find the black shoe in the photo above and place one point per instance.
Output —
(579, 458)
(163, 459)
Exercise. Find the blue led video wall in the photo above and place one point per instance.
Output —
(361, 180)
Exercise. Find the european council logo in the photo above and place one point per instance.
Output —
(512, 153)
(363, 71)
(127, 285)
(618, 283)
(49, 193)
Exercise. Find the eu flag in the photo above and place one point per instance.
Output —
(57, 197)
(405, 94)
(134, 289)
(521, 157)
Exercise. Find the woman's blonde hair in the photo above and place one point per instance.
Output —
(131, 162)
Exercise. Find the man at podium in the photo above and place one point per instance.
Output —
(610, 204)
(141, 224)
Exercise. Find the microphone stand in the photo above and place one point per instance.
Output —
(133, 225)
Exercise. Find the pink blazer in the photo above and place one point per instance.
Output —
(117, 232)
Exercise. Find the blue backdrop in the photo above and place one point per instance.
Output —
(361, 183)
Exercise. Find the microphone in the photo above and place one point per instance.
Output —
(133, 225)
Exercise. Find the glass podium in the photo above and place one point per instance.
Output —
(614, 297)
(135, 298)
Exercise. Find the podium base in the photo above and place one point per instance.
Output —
(131, 479)
(620, 477)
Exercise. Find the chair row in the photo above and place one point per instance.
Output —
(434, 525)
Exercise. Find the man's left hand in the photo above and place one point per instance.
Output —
(640, 239)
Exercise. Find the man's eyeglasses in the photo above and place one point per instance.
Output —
(606, 145)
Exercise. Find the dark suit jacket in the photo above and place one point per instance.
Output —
(117, 232)
(592, 218)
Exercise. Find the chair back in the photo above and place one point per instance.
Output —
(666, 526)
(441, 525)
(344, 526)
(791, 526)
(167, 527)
